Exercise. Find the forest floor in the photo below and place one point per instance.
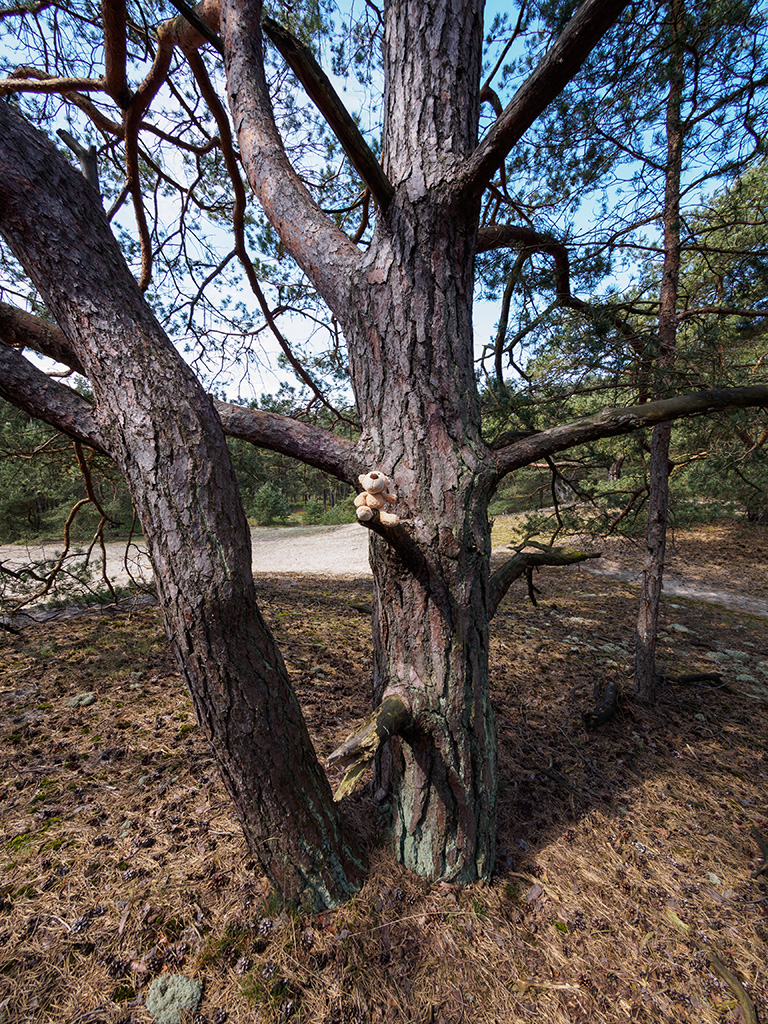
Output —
(627, 885)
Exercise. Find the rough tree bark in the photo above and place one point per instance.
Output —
(658, 473)
(162, 430)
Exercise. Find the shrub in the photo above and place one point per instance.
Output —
(313, 513)
(269, 505)
(342, 512)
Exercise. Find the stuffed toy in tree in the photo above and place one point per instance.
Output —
(375, 497)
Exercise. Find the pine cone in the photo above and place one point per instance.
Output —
(175, 955)
(154, 963)
(118, 969)
(243, 965)
(266, 927)
(398, 895)
(220, 1016)
(268, 971)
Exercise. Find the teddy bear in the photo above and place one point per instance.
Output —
(375, 498)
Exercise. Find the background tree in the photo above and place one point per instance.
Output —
(659, 137)
(399, 287)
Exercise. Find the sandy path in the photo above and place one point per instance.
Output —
(312, 550)
(343, 551)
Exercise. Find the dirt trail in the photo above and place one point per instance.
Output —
(343, 551)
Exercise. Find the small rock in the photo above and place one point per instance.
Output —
(82, 700)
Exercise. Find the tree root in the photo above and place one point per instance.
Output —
(733, 983)
(605, 709)
(357, 752)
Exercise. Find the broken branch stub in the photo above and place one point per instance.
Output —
(357, 752)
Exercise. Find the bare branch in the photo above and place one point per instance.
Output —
(612, 422)
(238, 222)
(522, 562)
(113, 15)
(556, 69)
(310, 444)
(321, 249)
(319, 89)
(85, 154)
(39, 81)
(687, 314)
(19, 329)
(357, 752)
(30, 389)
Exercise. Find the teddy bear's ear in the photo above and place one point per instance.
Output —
(361, 478)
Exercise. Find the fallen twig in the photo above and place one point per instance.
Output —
(763, 869)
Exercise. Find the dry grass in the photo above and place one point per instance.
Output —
(121, 858)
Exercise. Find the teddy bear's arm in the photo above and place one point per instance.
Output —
(389, 497)
(360, 499)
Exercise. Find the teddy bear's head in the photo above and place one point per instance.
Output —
(374, 482)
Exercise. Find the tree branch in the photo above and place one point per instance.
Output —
(113, 16)
(520, 563)
(357, 752)
(612, 422)
(319, 89)
(27, 387)
(555, 70)
(502, 236)
(238, 222)
(30, 389)
(312, 445)
(39, 81)
(85, 154)
(19, 329)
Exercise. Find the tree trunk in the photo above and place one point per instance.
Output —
(658, 505)
(653, 565)
(430, 621)
(164, 434)
(431, 647)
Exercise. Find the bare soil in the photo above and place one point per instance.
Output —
(627, 857)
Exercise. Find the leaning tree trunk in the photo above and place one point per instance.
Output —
(164, 434)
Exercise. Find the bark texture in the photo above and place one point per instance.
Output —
(658, 482)
(163, 432)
